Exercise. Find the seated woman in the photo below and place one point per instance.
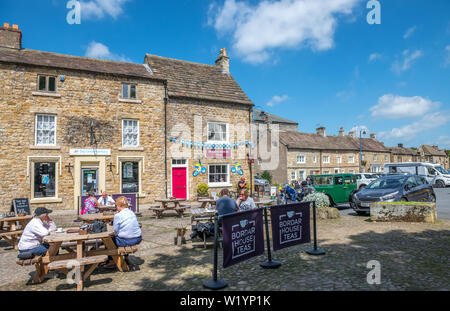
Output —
(245, 202)
(126, 227)
(39, 227)
(90, 204)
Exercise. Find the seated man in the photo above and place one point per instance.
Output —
(39, 227)
(245, 202)
(226, 205)
(126, 226)
(105, 199)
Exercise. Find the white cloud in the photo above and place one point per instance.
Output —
(359, 128)
(408, 59)
(99, 50)
(277, 100)
(428, 122)
(444, 142)
(397, 107)
(258, 29)
(375, 56)
(409, 32)
(447, 58)
(97, 9)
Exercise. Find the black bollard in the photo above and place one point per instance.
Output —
(316, 251)
(215, 284)
(269, 264)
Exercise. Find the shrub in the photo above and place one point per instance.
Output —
(321, 199)
(266, 175)
(202, 189)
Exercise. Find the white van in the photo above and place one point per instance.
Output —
(433, 173)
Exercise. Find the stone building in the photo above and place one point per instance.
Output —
(402, 154)
(70, 124)
(374, 155)
(433, 154)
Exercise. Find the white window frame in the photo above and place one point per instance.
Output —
(138, 133)
(293, 175)
(227, 135)
(219, 184)
(339, 159)
(299, 156)
(47, 77)
(327, 157)
(315, 159)
(351, 171)
(31, 161)
(302, 174)
(351, 159)
(36, 128)
(386, 158)
(374, 157)
(132, 158)
(326, 172)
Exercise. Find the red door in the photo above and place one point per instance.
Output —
(179, 182)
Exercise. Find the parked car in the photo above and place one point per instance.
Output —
(364, 179)
(393, 188)
(338, 187)
(260, 181)
(434, 173)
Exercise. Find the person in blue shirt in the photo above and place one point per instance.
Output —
(226, 205)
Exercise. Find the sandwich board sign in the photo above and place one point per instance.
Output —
(20, 206)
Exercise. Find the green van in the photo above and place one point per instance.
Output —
(338, 187)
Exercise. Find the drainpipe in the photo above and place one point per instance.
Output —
(249, 138)
(166, 100)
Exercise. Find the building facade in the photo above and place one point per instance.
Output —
(433, 154)
(73, 124)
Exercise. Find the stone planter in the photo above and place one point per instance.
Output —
(403, 211)
(326, 213)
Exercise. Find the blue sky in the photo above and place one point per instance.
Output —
(317, 62)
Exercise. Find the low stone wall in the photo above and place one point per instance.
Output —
(403, 211)
(326, 213)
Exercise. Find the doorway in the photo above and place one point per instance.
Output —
(89, 180)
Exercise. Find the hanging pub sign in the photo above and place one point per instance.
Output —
(290, 225)
(243, 236)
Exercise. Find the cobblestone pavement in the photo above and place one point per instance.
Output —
(412, 257)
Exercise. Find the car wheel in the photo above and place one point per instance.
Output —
(362, 187)
(440, 184)
(403, 200)
(361, 213)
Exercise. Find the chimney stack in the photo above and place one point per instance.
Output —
(321, 131)
(223, 61)
(341, 131)
(10, 37)
(373, 136)
(400, 145)
(352, 134)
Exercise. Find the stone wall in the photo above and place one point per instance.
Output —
(407, 211)
(381, 159)
(82, 96)
(187, 119)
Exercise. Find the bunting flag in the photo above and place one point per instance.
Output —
(203, 145)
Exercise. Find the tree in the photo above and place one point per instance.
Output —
(266, 175)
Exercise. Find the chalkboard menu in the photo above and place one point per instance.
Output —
(20, 206)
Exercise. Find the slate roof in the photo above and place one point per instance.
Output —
(200, 81)
(53, 60)
(430, 150)
(403, 151)
(298, 140)
(272, 118)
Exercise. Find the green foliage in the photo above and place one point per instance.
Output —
(321, 199)
(266, 175)
(202, 189)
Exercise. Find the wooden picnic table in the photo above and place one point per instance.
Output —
(10, 231)
(79, 255)
(90, 218)
(199, 214)
(107, 208)
(259, 203)
(207, 201)
(166, 207)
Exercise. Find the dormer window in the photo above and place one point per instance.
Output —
(46, 83)
(129, 91)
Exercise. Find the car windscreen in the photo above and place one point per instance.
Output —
(387, 183)
(441, 170)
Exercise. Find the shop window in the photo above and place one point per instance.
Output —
(44, 180)
(130, 177)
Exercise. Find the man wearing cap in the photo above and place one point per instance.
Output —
(39, 227)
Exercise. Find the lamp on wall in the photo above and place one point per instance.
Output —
(69, 167)
(111, 165)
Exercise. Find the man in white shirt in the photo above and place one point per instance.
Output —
(105, 199)
(39, 227)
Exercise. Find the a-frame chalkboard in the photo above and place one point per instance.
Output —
(20, 206)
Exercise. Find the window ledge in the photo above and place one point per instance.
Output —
(45, 148)
(49, 94)
(46, 200)
(131, 149)
(218, 185)
(131, 101)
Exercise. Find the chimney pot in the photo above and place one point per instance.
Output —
(6, 25)
(341, 131)
(321, 131)
(15, 27)
(400, 145)
(223, 61)
(373, 136)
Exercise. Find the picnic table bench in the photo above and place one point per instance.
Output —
(11, 228)
(166, 205)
